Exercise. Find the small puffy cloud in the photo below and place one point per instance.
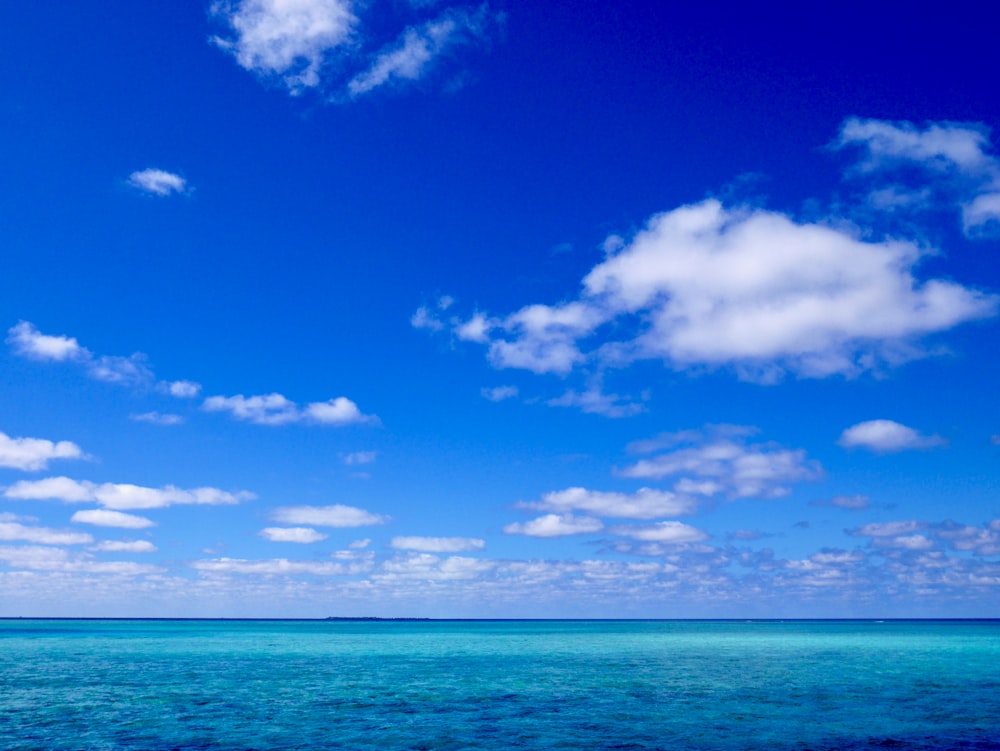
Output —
(555, 525)
(646, 503)
(157, 418)
(418, 47)
(276, 409)
(663, 532)
(157, 181)
(438, 544)
(105, 518)
(886, 436)
(124, 546)
(32, 454)
(499, 393)
(269, 567)
(476, 329)
(29, 342)
(360, 457)
(423, 318)
(286, 40)
(721, 460)
(302, 535)
(327, 516)
(182, 389)
(121, 496)
(981, 211)
(12, 531)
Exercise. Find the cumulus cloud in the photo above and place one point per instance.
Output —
(33, 454)
(276, 409)
(157, 181)
(418, 47)
(327, 516)
(157, 418)
(646, 503)
(105, 518)
(662, 532)
(303, 535)
(886, 436)
(12, 531)
(28, 341)
(182, 389)
(722, 461)
(555, 525)
(121, 496)
(438, 544)
(124, 546)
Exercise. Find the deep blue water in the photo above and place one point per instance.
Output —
(238, 685)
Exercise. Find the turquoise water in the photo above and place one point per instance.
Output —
(238, 685)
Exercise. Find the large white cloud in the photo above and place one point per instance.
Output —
(555, 525)
(13, 531)
(121, 496)
(276, 409)
(28, 341)
(885, 436)
(336, 515)
(32, 454)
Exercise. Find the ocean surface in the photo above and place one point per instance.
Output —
(238, 685)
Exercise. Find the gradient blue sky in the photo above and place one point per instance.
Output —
(316, 307)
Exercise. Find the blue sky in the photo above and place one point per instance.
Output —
(315, 307)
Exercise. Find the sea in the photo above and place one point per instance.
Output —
(236, 685)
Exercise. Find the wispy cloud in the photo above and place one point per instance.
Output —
(301, 535)
(662, 532)
(118, 519)
(336, 515)
(499, 393)
(276, 409)
(121, 496)
(157, 182)
(323, 44)
(360, 457)
(887, 436)
(438, 544)
(157, 418)
(33, 454)
(646, 503)
(13, 531)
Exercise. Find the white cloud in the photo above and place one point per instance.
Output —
(360, 457)
(424, 566)
(476, 329)
(721, 461)
(327, 516)
(32, 454)
(360, 544)
(38, 558)
(888, 529)
(499, 393)
(555, 525)
(885, 436)
(269, 567)
(438, 544)
(276, 409)
(12, 531)
(302, 535)
(124, 546)
(595, 402)
(157, 418)
(938, 146)
(410, 56)
(182, 389)
(290, 40)
(664, 532)
(756, 290)
(980, 211)
(646, 503)
(157, 181)
(28, 341)
(105, 518)
(121, 496)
